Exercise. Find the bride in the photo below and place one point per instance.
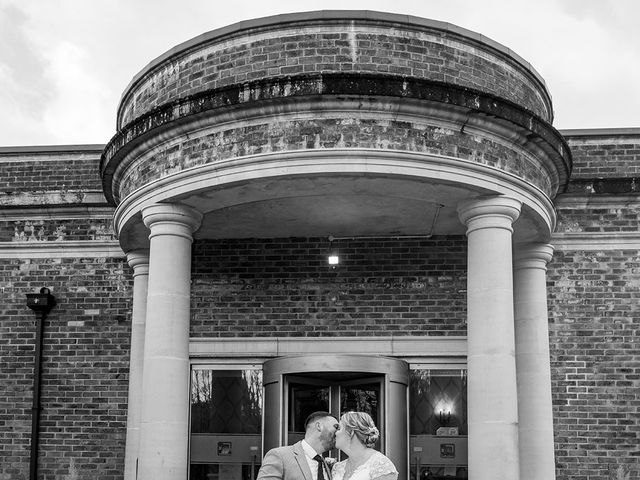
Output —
(356, 437)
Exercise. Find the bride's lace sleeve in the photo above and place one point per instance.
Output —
(381, 466)
(337, 471)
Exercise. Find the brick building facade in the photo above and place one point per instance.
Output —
(250, 154)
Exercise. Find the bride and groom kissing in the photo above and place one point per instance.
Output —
(355, 435)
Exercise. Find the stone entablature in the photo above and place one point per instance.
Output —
(358, 130)
(201, 123)
(52, 194)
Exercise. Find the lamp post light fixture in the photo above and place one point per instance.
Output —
(41, 303)
(333, 259)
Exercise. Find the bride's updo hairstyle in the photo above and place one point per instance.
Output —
(362, 426)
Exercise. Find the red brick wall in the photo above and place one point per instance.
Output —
(85, 357)
(84, 367)
(607, 155)
(594, 317)
(598, 218)
(595, 359)
(284, 287)
(40, 173)
(336, 45)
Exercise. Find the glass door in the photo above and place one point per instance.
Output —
(296, 386)
(304, 396)
(336, 393)
(226, 423)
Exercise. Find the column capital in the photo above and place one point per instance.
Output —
(489, 212)
(139, 261)
(532, 255)
(171, 219)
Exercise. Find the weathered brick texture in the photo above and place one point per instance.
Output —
(594, 320)
(42, 173)
(277, 135)
(43, 196)
(59, 229)
(608, 155)
(84, 367)
(384, 47)
(614, 218)
(284, 287)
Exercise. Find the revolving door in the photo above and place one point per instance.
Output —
(296, 386)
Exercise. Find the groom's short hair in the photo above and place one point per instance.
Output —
(314, 417)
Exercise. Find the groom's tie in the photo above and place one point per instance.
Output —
(318, 459)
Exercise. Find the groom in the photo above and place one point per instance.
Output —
(303, 460)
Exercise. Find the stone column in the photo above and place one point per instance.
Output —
(164, 427)
(491, 387)
(139, 261)
(533, 369)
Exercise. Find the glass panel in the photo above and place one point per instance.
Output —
(226, 401)
(438, 424)
(303, 401)
(361, 398)
(226, 424)
(437, 398)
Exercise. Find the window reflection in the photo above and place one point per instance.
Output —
(226, 424)
(438, 424)
(432, 392)
(226, 401)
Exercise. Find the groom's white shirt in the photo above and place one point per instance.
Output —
(313, 465)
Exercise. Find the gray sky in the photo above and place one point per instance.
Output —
(65, 63)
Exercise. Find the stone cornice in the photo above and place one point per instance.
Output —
(596, 241)
(66, 211)
(50, 200)
(416, 349)
(156, 123)
(355, 160)
(600, 186)
(65, 249)
(580, 200)
(23, 150)
(599, 134)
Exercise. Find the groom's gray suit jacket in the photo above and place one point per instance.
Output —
(285, 463)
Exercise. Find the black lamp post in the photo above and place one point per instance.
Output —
(41, 303)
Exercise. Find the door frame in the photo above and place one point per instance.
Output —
(395, 374)
(336, 388)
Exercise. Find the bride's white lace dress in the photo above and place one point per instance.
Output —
(377, 465)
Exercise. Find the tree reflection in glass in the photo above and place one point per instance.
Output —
(226, 401)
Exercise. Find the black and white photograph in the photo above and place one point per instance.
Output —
(320, 240)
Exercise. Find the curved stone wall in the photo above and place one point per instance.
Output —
(336, 82)
(328, 42)
(297, 134)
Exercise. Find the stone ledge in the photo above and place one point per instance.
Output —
(433, 349)
(47, 200)
(332, 86)
(604, 186)
(71, 249)
(596, 241)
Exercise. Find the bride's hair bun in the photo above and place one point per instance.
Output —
(361, 424)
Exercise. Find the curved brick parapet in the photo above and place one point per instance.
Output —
(339, 130)
(338, 41)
